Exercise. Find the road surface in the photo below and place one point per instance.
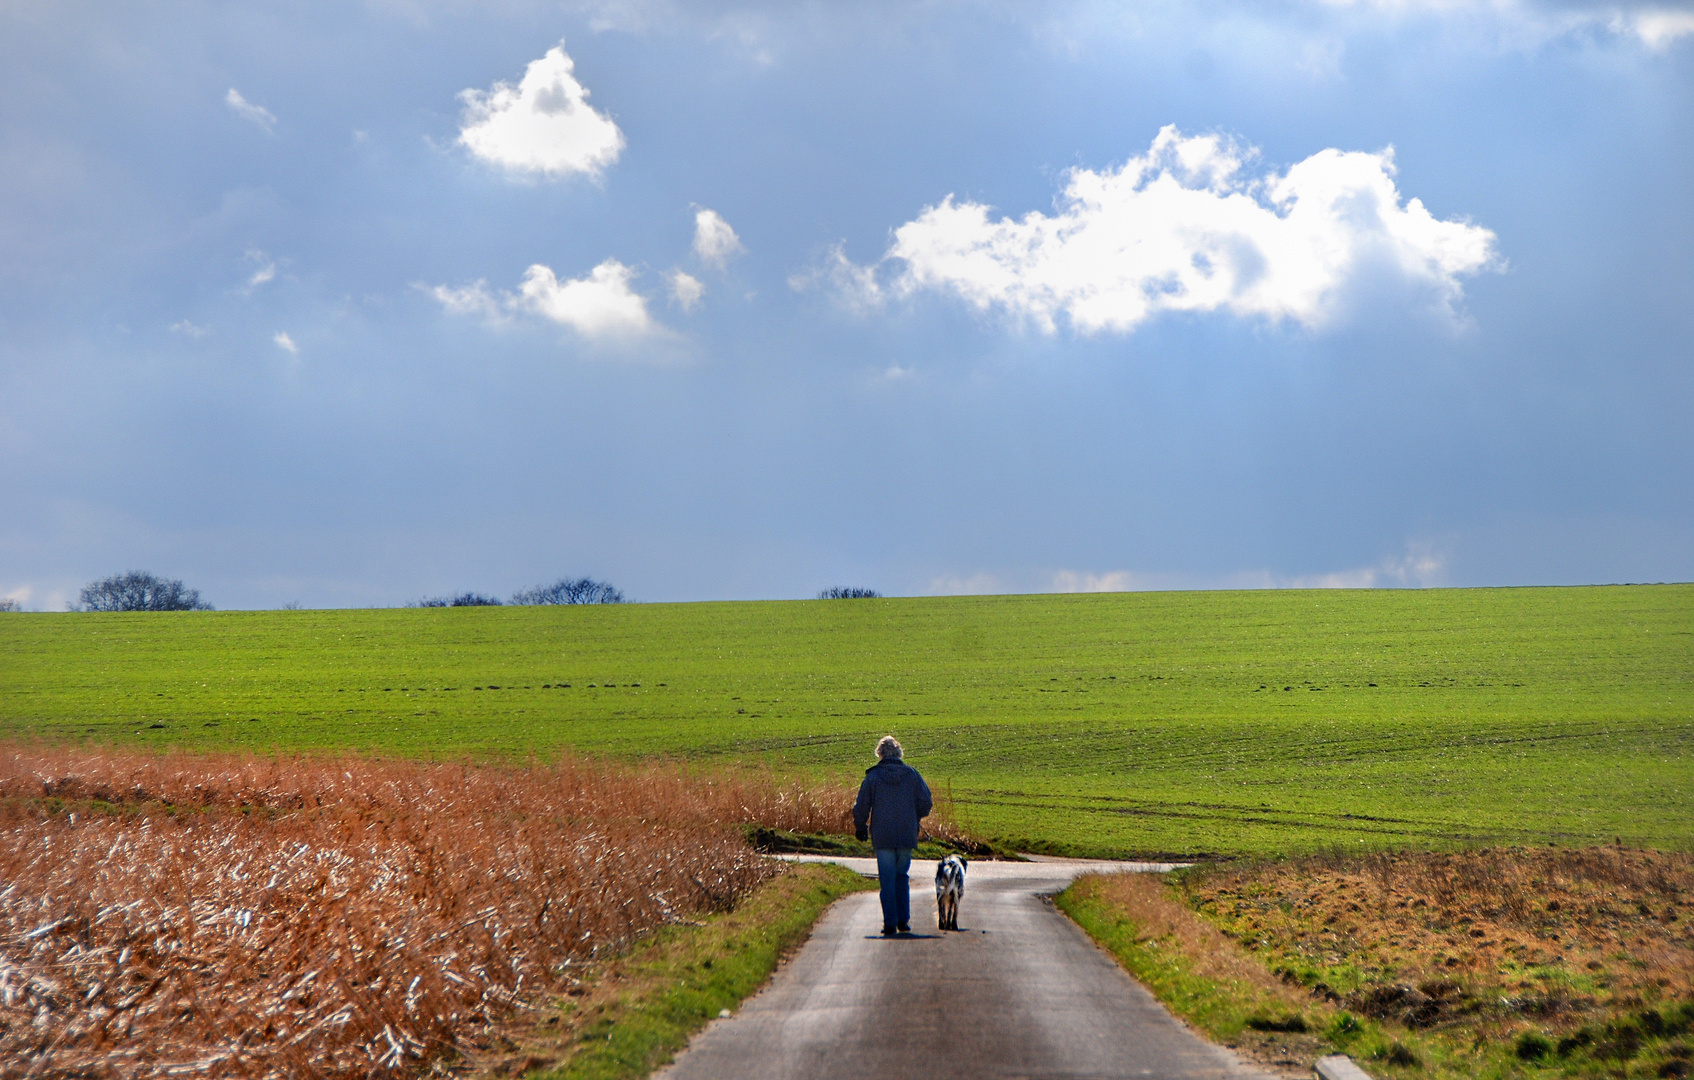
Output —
(1017, 992)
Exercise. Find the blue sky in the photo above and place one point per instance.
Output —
(348, 304)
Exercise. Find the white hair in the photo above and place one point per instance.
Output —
(888, 749)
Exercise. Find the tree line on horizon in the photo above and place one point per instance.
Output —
(564, 591)
(139, 590)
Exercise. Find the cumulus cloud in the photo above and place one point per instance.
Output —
(599, 305)
(715, 243)
(245, 109)
(686, 290)
(542, 125)
(286, 343)
(1186, 227)
(190, 329)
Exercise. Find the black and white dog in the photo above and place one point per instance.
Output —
(949, 890)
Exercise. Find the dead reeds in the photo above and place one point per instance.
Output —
(182, 915)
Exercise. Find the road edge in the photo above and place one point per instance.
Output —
(1253, 1017)
(632, 1014)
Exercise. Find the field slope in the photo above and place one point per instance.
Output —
(1221, 722)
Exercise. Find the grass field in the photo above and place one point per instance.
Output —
(1182, 723)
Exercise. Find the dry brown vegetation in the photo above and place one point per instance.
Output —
(1573, 947)
(1496, 963)
(1554, 930)
(1159, 915)
(179, 915)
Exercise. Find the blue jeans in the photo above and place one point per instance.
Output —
(896, 888)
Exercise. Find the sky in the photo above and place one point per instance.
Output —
(347, 304)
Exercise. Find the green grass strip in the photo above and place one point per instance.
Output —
(1219, 1007)
(1251, 1015)
(670, 985)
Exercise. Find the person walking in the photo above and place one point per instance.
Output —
(892, 800)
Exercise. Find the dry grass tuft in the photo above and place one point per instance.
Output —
(182, 915)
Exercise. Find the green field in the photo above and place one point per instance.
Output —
(1218, 722)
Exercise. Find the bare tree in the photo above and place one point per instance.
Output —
(139, 591)
(464, 599)
(571, 591)
(842, 592)
(8, 604)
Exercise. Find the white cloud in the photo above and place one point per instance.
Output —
(543, 125)
(1658, 29)
(1532, 23)
(286, 343)
(1186, 227)
(1111, 581)
(855, 287)
(190, 329)
(686, 290)
(245, 109)
(1422, 566)
(474, 300)
(265, 273)
(599, 305)
(714, 241)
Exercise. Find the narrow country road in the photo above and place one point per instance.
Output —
(1017, 992)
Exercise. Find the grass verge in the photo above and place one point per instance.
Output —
(1498, 963)
(630, 1014)
(1197, 972)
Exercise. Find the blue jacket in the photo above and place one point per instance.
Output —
(893, 798)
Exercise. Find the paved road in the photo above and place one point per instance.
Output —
(1017, 992)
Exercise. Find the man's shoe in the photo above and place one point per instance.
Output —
(905, 928)
(887, 931)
